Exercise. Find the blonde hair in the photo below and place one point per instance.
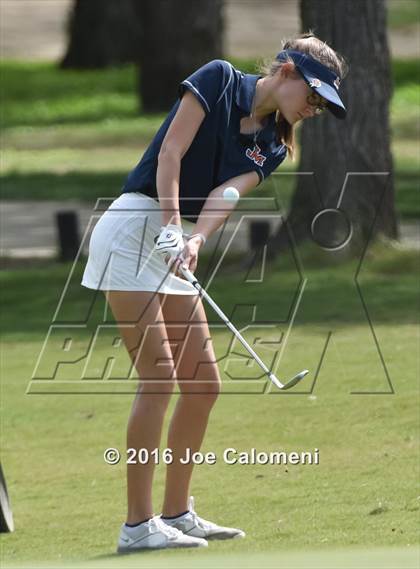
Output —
(308, 44)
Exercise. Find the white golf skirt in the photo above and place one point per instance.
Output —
(121, 250)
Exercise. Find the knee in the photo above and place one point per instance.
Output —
(153, 397)
(203, 396)
(209, 399)
(212, 391)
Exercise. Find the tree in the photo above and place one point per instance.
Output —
(168, 39)
(360, 144)
(178, 37)
(102, 33)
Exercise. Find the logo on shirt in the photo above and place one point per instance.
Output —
(255, 155)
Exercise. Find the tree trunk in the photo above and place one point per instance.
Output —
(179, 37)
(351, 159)
(102, 33)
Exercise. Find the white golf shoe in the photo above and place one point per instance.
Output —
(191, 524)
(154, 534)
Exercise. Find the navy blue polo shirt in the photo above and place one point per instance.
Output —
(219, 151)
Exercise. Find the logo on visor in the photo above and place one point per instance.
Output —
(337, 83)
(255, 155)
(313, 83)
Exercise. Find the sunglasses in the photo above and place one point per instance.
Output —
(318, 102)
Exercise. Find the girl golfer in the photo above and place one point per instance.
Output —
(227, 129)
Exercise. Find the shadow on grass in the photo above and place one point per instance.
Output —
(89, 186)
(407, 193)
(127, 556)
(86, 186)
(35, 94)
(405, 71)
(388, 283)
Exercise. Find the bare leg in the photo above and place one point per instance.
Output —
(146, 343)
(199, 383)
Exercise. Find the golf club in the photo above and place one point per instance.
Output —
(283, 386)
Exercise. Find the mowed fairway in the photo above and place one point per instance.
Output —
(358, 508)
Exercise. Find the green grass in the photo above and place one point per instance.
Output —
(349, 558)
(387, 278)
(39, 94)
(405, 71)
(403, 13)
(76, 135)
(36, 94)
(68, 504)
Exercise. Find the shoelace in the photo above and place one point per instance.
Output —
(204, 524)
(169, 531)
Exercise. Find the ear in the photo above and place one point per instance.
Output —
(288, 70)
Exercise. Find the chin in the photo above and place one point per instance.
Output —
(291, 118)
(297, 118)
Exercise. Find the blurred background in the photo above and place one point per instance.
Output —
(85, 85)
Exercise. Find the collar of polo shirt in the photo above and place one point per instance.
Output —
(245, 95)
(246, 91)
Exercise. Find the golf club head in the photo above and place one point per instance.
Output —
(289, 384)
(295, 379)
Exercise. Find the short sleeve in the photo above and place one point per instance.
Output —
(270, 163)
(209, 83)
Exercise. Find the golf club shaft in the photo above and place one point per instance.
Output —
(191, 278)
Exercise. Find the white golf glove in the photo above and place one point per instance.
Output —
(170, 242)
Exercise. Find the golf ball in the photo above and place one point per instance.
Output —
(231, 194)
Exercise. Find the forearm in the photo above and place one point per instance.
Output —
(167, 183)
(214, 213)
(216, 209)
